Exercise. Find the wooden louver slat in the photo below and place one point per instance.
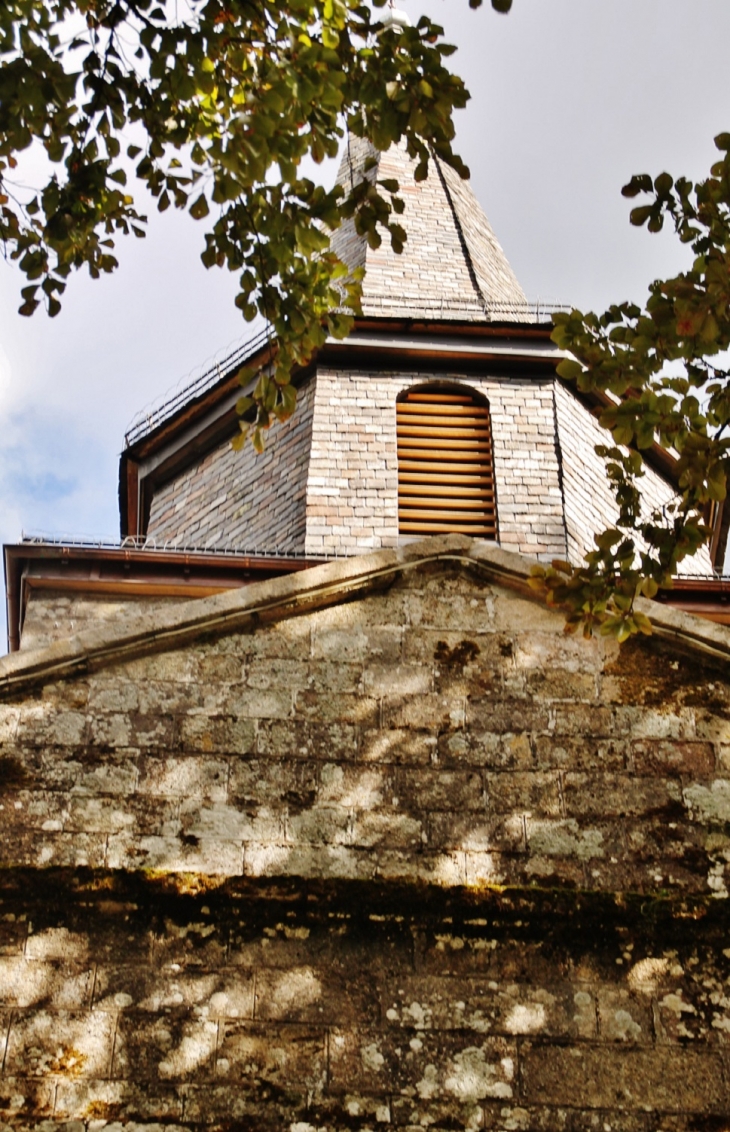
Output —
(445, 470)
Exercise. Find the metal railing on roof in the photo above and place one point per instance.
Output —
(419, 307)
(150, 417)
(218, 545)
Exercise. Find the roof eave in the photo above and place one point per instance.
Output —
(130, 572)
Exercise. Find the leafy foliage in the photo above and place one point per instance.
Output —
(213, 105)
(663, 371)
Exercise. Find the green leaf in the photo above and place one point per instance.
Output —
(199, 208)
(569, 369)
(639, 216)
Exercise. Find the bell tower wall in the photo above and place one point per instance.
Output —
(241, 499)
(352, 486)
(589, 504)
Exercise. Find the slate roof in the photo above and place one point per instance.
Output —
(452, 266)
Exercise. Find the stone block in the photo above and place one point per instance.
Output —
(623, 1017)
(487, 749)
(516, 615)
(35, 848)
(657, 757)
(287, 639)
(565, 837)
(475, 831)
(397, 746)
(323, 708)
(297, 738)
(44, 1042)
(43, 724)
(418, 1003)
(213, 735)
(218, 821)
(176, 697)
(538, 651)
(165, 1049)
(534, 792)
(290, 783)
(661, 1079)
(13, 934)
(279, 1056)
(187, 854)
(511, 715)
(124, 1101)
(426, 711)
(121, 730)
(412, 1112)
(390, 829)
(189, 776)
(396, 680)
(461, 1066)
(426, 790)
(259, 703)
(315, 859)
(320, 825)
(144, 815)
(251, 1103)
(590, 720)
(329, 677)
(224, 993)
(26, 983)
(275, 674)
(320, 995)
(83, 770)
(443, 607)
(604, 796)
(580, 752)
(23, 1100)
(657, 723)
(555, 685)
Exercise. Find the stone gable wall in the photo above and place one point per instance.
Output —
(51, 615)
(241, 499)
(352, 490)
(413, 860)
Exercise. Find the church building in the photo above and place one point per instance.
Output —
(313, 818)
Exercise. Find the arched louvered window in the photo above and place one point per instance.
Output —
(445, 465)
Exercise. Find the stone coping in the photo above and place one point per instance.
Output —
(304, 591)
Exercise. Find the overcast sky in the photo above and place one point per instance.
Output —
(569, 98)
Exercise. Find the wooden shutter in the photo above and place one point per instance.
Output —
(445, 466)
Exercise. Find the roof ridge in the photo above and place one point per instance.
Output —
(460, 231)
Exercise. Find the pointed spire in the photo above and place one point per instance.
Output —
(452, 265)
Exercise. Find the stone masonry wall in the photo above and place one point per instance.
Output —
(589, 503)
(241, 499)
(416, 859)
(352, 490)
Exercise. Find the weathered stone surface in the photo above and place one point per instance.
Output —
(325, 1004)
(413, 859)
(663, 1079)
